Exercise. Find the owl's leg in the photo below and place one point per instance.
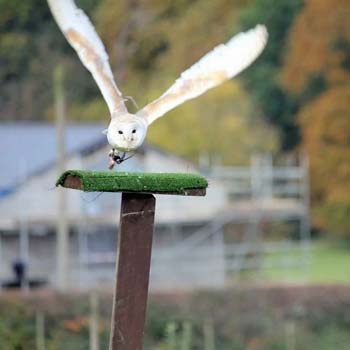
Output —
(117, 158)
(112, 153)
(113, 156)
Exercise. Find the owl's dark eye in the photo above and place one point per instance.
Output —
(120, 132)
(134, 131)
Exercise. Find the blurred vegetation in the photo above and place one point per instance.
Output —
(317, 72)
(314, 318)
(30, 47)
(294, 97)
(264, 81)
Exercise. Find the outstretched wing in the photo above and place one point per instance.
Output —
(81, 34)
(222, 63)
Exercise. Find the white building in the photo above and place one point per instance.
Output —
(28, 211)
(199, 241)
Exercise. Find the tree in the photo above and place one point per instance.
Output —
(318, 53)
(216, 125)
(325, 127)
(317, 72)
(30, 46)
(263, 80)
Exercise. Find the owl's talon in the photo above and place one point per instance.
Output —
(111, 164)
(116, 158)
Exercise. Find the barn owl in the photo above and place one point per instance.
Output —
(126, 132)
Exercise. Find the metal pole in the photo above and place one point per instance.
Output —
(62, 226)
(134, 260)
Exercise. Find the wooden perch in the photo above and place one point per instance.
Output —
(134, 240)
(156, 183)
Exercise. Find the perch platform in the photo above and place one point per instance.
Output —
(134, 240)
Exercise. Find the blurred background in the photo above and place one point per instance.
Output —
(261, 262)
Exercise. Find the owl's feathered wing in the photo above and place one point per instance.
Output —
(81, 35)
(222, 63)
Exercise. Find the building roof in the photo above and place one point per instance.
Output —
(27, 148)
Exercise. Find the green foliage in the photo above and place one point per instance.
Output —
(30, 46)
(19, 15)
(170, 336)
(263, 80)
(243, 319)
(216, 125)
(186, 338)
(178, 337)
(16, 332)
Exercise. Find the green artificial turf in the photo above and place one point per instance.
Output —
(110, 181)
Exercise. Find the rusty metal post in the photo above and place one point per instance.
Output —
(133, 268)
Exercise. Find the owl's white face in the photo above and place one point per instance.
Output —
(126, 133)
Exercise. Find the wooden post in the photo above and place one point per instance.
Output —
(134, 239)
(134, 260)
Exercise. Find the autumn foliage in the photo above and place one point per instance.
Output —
(318, 47)
(325, 124)
(317, 72)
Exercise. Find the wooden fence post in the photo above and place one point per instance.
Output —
(134, 261)
(134, 239)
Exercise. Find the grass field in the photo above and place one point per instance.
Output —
(327, 263)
